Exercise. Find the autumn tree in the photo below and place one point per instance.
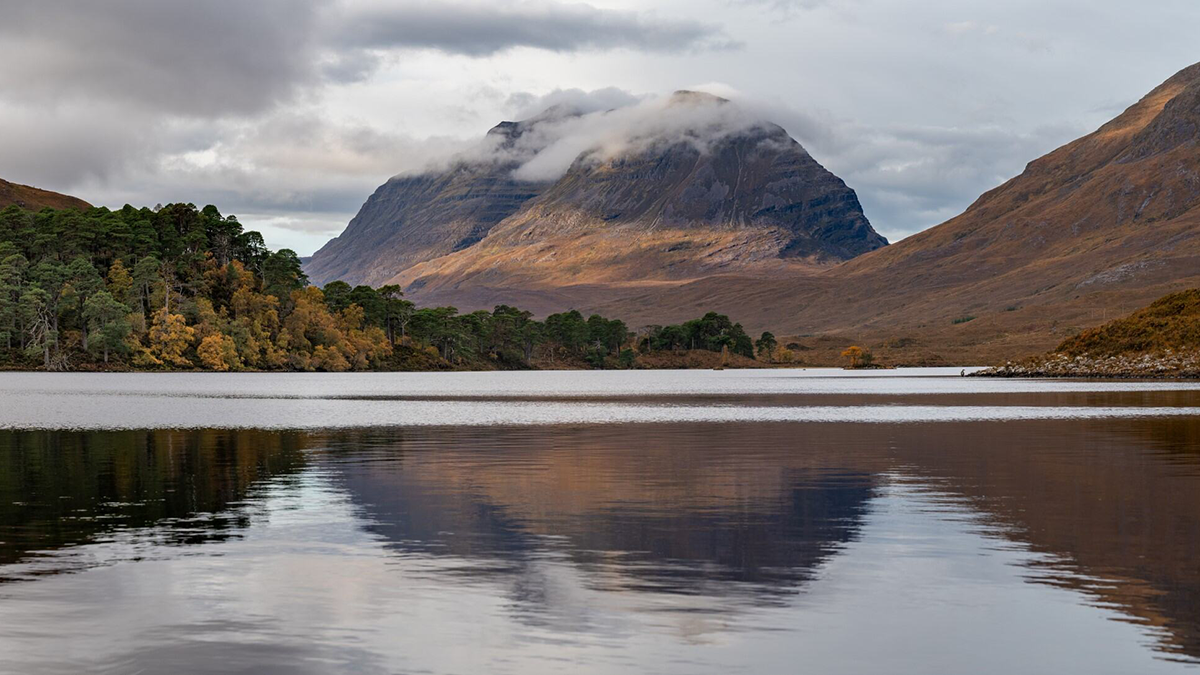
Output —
(219, 352)
(318, 340)
(119, 282)
(255, 328)
(363, 345)
(170, 337)
(853, 354)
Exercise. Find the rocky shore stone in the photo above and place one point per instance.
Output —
(1168, 364)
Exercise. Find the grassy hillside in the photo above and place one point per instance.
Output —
(1162, 340)
(35, 199)
(1171, 322)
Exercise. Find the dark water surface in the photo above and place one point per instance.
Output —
(726, 522)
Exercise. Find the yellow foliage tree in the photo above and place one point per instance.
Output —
(221, 282)
(317, 339)
(255, 326)
(363, 346)
(308, 326)
(218, 352)
(854, 354)
(208, 321)
(309, 323)
(329, 359)
(119, 281)
(170, 337)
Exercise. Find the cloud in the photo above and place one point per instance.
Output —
(222, 58)
(957, 28)
(698, 119)
(485, 27)
(289, 162)
(577, 126)
(528, 105)
(216, 57)
(791, 6)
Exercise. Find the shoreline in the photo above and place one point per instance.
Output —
(684, 360)
(1165, 365)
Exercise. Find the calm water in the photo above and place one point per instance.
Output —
(609, 522)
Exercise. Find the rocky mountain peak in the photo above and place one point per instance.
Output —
(675, 188)
(689, 97)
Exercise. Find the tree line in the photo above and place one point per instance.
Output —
(176, 287)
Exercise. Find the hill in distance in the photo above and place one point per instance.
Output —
(670, 192)
(35, 199)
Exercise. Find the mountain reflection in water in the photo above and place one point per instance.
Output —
(379, 549)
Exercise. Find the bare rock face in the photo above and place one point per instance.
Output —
(756, 179)
(681, 192)
(410, 219)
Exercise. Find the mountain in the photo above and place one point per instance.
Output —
(695, 188)
(1094, 229)
(36, 199)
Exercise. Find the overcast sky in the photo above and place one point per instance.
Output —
(289, 113)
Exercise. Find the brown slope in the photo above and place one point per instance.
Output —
(1100, 226)
(36, 199)
(673, 211)
(1171, 323)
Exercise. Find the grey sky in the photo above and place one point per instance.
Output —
(289, 113)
